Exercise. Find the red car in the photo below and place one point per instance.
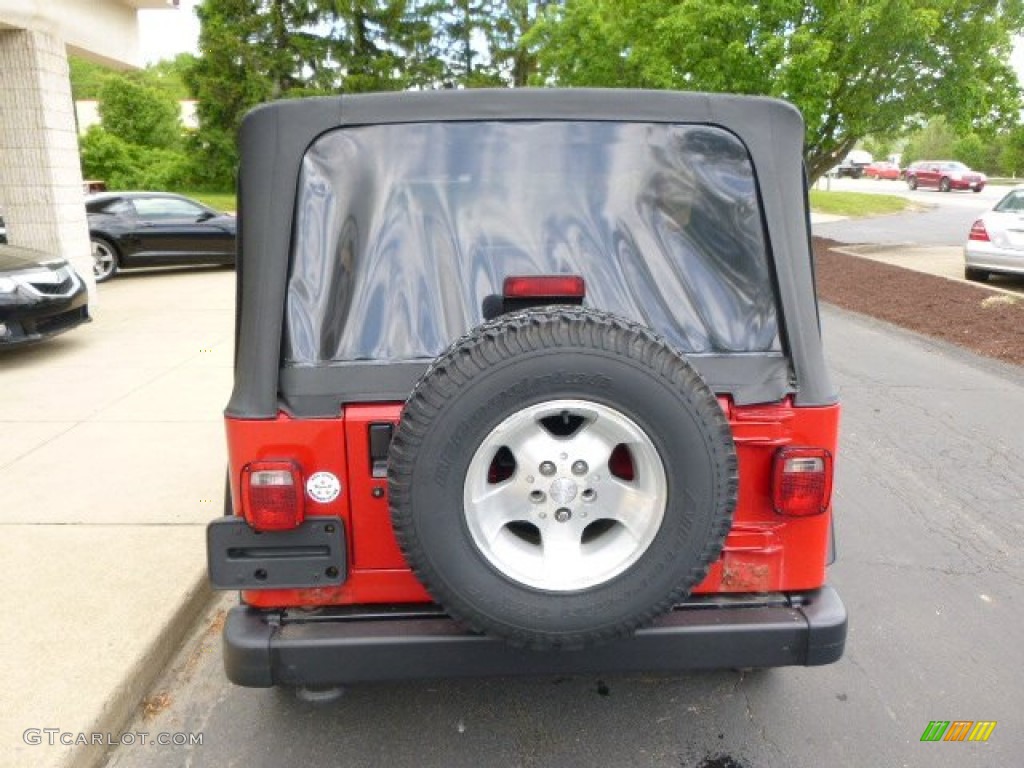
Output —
(945, 175)
(883, 170)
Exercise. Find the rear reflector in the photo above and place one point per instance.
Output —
(801, 481)
(544, 287)
(978, 232)
(272, 495)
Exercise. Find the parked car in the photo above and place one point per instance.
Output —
(882, 170)
(40, 296)
(995, 243)
(3, 231)
(155, 229)
(910, 169)
(944, 175)
(854, 164)
(520, 372)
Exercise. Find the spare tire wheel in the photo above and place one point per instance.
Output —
(560, 477)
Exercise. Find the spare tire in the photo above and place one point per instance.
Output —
(560, 477)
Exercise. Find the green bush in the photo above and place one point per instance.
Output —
(139, 114)
(106, 157)
(123, 165)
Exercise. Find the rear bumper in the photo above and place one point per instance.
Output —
(43, 319)
(989, 256)
(265, 648)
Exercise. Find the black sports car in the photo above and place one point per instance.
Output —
(155, 229)
(40, 296)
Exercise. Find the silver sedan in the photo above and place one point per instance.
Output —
(996, 241)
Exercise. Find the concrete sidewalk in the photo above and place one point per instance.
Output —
(940, 260)
(111, 462)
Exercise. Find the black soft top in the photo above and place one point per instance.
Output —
(343, 295)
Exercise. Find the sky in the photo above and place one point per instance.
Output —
(166, 33)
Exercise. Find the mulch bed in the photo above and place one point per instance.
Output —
(986, 322)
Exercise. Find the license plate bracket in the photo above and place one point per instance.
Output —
(310, 556)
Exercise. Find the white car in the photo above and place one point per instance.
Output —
(996, 241)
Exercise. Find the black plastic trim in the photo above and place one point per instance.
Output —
(312, 555)
(321, 391)
(260, 650)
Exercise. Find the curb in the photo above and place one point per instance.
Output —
(965, 355)
(122, 704)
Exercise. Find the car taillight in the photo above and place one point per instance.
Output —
(272, 495)
(978, 231)
(544, 286)
(801, 481)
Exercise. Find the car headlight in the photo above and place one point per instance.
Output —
(8, 285)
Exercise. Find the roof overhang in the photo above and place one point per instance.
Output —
(106, 31)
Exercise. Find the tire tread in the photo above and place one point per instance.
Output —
(535, 330)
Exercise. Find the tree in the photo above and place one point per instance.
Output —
(854, 67)
(166, 76)
(979, 154)
(463, 29)
(1011, 156)
(507, 36)
(87, 78)
(380, 45)
(932, 142)
(252, 51)
(879, 147)
(139, 114)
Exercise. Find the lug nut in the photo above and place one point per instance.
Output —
(537, 496)
(548, 468)
(580, 468)
(562, 515)
(589, 494)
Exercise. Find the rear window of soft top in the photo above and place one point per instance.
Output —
(401, 232)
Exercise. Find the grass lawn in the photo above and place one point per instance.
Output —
(823, 201)
(220, 201)
(856, 203)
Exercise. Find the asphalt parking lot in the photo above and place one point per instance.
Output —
(928, 495)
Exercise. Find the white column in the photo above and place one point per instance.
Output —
(40, 173)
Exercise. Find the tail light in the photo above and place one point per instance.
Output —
(978, 232)
(272, 495)
(801, 481)
(544, 287)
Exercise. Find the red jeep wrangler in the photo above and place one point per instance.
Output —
(526, 382)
